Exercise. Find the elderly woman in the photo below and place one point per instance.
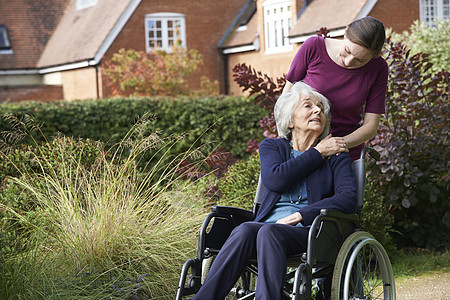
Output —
(302, 176)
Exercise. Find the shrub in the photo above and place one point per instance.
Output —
(375, 219)
(428, 39)
(413, 142)
(238, 186)
(265, 93)
(157, 72)
(207, 121)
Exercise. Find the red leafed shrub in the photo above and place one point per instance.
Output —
(413, 171)
(266, 91)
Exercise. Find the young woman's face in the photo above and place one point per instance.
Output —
(352, 56)
(308, 116)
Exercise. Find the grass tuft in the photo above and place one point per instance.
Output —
(104, 230)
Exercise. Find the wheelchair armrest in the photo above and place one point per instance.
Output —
(340, 215)
(233, 211)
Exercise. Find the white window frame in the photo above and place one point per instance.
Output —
(82, 4)
(163, 36)
(277, 24)
(434, 9)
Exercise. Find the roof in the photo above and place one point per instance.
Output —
(30, 24)
(81, 34)
(332, 14)
(47, 34)
(244, 29)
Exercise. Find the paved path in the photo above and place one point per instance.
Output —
(434, 286)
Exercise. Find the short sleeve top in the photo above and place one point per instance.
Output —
(351, 92)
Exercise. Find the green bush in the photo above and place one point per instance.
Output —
(230, 121)
(427, 39)
(238, 186)
(375, 219)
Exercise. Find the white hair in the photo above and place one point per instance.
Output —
(287, 102)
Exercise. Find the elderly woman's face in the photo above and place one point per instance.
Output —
(308, 116)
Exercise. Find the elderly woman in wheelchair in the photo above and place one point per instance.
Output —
(303, 172)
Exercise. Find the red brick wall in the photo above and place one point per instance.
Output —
(206, 23)
(38, 92)
(398, 15)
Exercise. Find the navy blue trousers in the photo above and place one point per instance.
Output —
(269, 243)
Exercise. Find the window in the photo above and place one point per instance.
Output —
(163, 30)
(5, 45)
(434, 9)
(277, 23)
(82, 4)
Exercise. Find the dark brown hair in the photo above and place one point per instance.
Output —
(367, 32)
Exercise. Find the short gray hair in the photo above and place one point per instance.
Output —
(287, 102)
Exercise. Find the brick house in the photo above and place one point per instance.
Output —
(56, 49)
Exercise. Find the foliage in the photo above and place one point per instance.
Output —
(104, 229)
(238, 186)
(157, 72)
(413, 142)
(26, 161)
(375, 219)
(207, 121)
(427, 39)
(266, 92)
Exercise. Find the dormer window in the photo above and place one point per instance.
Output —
(277, 23)
(5, 45)
(82, 4)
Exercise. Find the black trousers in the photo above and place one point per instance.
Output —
(269, 243)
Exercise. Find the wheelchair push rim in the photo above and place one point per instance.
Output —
(362, 270)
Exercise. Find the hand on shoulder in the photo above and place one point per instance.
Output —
(331, 145)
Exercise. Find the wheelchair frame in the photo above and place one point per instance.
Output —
(359, 265)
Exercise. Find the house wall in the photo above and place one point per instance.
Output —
(79, 84)
(206, 23)
(398, 15)
(30, 92)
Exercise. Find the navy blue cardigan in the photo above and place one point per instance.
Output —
(330, 182)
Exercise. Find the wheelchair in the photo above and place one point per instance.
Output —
(338, 251)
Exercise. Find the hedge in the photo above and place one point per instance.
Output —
(228, 121)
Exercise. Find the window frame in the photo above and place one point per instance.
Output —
(277, 24)
(430, 10)
(165, 38)
(5, 46)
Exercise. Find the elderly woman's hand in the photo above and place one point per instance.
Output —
(331, 145)
(293, 219)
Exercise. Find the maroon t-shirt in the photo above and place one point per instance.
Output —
(350, 91)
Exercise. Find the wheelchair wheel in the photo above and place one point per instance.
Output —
(362, 270)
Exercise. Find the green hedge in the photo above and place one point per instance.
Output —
(230, 121)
